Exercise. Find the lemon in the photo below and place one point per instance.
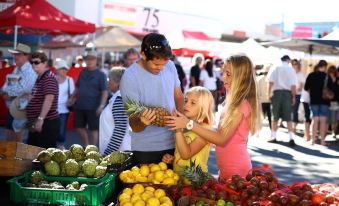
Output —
(176, 177)
(159, 176)
(127, 191)
(150, 177)
(135, 197)
(153, 202)
(169, 173)
(163, 166)
(123, 197)
(138, 188)
(135, 168)
(139, 203)
(148, 188)
(123, 175)
(158, 193)
(144, 170)
(150, 193)
(145, 196)
(168, 181)
(166, 204)
(155, 182)
(164, 199)
(155, 168)
(140, 178)
(129, 180)
(127, 204)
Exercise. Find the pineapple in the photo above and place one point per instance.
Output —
(194, 174)
(135, 109)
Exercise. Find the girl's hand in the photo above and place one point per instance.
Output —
(176, 121)
(168, 159)
(148, 116)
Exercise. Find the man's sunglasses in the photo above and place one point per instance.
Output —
(162, 44)
(37, 62)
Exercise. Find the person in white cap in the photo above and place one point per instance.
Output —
(19, 87)
(66, 88)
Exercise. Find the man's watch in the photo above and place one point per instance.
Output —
(189, 125)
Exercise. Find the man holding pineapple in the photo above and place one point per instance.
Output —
(150, 89)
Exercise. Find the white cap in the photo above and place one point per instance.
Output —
(61, 64)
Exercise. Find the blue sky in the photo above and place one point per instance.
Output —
(250, 15)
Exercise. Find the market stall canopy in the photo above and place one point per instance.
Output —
(112, 38)
(40, 17)
(310, 46)
(187, 43)
(116, 38)
(332, 36)
(255, 51)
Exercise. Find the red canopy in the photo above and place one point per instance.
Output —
(34, 16)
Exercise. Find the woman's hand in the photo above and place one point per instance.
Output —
(176, 121)
(38, 125)
(148, 116)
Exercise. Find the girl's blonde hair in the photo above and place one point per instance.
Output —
(243, 87)
(205, 103)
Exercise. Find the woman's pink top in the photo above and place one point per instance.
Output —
(232, 156)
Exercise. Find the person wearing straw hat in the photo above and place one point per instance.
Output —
(19, 84)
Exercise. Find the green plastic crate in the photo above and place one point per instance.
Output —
(97, 191)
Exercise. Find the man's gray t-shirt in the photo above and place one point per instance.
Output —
(90, 86)
(152, 90)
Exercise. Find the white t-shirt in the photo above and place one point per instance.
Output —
(209, 82)
(63, 94)
(283, 77)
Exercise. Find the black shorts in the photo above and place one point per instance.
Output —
(82, 118)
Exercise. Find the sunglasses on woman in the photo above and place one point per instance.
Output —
(36, 62)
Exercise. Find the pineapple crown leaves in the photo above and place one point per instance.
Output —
(133, 107)
(194, 174)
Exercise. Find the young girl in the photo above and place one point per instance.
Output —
(199, 106)
(239, 117)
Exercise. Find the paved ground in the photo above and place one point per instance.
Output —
(304, 162)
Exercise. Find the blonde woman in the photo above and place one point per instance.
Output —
(240, 117)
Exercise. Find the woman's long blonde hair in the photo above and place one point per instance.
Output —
(205, 103)
(243, 87)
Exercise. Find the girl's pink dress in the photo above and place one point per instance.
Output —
(232, 156)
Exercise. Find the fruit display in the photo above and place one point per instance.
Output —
(152, 173)
(37, 180)
(135, 109)
(259, 187)
(78, 162)
(139, 195)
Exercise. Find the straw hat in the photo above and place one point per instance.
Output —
(15, 111)
(20, 48)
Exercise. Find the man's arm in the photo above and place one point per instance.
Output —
(104, 95)
(270, 86)
(179, 99)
